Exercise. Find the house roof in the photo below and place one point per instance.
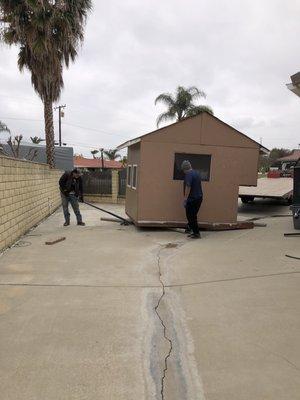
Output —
(82, 162)
(138, 139)
(292, 157)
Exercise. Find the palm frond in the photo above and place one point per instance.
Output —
(195, 92)
(166, 116)
(112, 154)
(165, 98)
(196, 110)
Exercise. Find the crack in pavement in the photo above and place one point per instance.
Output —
(162, 323)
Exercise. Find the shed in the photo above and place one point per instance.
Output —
(225, 158)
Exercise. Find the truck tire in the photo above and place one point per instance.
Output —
(247, 199)
(289, 200)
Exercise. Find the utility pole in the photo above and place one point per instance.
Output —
(61, 114)
(102, 158)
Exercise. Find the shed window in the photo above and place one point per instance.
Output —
(200, 163)
(134, 176)
(129, 175)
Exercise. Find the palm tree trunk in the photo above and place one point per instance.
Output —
(49, 132)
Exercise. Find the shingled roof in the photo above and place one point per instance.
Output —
(82, 162)
(292, 157)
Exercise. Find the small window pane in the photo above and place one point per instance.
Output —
(134, 176)
(200, 163)
(129, 175)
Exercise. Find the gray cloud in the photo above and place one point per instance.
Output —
(240, 53)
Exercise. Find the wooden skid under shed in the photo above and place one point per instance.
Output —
(203, 226)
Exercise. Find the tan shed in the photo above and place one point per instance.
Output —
(225, 158)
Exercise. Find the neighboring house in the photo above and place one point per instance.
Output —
(288, 162)
(293, 157)
(63, 155)
(95, 164)
(225, 158)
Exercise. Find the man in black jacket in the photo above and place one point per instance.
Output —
(70, 185)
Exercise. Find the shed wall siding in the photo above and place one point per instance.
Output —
(160, 197)
(132, 195)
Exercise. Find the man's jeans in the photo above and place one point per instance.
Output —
(192, 209)
(73, 200)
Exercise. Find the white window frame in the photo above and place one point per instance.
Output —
(134, 166)
(129, 176)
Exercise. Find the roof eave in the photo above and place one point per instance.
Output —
(264, 151)
(129, 143)
(293, 88)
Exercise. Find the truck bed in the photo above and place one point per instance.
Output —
(275, 188)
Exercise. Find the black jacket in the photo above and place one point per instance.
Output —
(68, 183)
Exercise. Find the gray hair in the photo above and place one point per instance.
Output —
(186, 165)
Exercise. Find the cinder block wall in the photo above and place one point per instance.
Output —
(28, 193)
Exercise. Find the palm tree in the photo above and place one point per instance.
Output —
(94, 152)
(4, 128)
(180, 105)
(124, 161)
(111, 154)
(48, 33)
(36, 139)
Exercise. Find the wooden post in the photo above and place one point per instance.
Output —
(114, 186)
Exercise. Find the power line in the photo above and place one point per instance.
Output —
(22, 119)
(65, 123)
(94, 130)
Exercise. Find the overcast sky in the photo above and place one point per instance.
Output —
(241, 53)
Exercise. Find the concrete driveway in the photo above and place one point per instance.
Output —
(118, 313)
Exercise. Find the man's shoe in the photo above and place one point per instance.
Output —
(66, 223)
(187, 230)
(81, 223)
(195, 236)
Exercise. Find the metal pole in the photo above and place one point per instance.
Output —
(102, 159)
(125, 221)
(59, 108)
(59, 121)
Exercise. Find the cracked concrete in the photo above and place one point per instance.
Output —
(119, 313)
(167, 356)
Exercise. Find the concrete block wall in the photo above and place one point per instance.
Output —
(28, 194)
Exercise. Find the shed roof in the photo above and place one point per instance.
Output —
(139, 138)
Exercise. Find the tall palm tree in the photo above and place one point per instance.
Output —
(111, 154)
(181, 104)
(48, 33)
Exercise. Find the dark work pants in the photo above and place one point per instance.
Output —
(192, 208)
(73, 200)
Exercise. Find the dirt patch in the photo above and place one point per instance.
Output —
(171, 245)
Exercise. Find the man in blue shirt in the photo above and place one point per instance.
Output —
(192, 190)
